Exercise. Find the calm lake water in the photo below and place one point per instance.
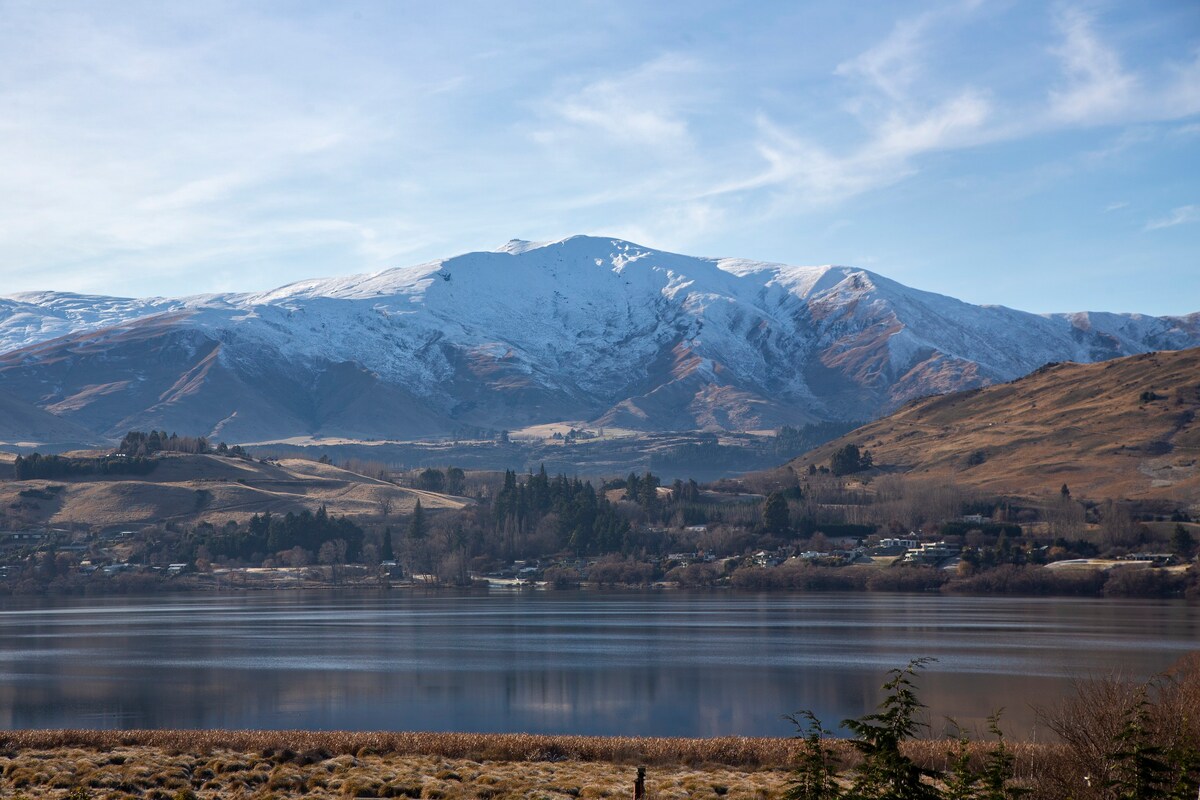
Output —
(666, 663)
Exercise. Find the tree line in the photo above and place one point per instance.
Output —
(49, 467)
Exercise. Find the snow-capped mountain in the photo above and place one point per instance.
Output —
(581, 329)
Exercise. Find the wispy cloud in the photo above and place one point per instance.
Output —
(1184, 215)
(905, 114)
(1095, 88)
(898, 123)
(892, 66)
(641, 107)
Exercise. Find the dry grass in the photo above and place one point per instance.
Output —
(1081, 424)
(209, 488)
(730, 751)
(164, 765)
(163, 773)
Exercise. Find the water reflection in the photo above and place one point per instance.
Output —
(665, 663)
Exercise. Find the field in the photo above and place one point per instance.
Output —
(216, 764)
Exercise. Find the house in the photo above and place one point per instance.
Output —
(932, 553)
(907, 543)
(18, 538)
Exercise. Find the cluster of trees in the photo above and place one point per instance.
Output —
(584, 521)
(35, 466)
(141, 443)
(849, 459)
(304, 535)
(452, 481)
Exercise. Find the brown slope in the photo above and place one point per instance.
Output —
(1085, 425)
(157, 373)
(25, 424)
(195, 488)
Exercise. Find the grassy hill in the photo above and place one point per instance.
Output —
(1124, 429)
(194, 488)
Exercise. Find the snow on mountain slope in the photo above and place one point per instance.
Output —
(584, 328)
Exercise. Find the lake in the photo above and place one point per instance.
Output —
(631, 663)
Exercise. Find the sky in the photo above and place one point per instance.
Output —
(1043, 156)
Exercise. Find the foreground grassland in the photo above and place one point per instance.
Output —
(178, 765)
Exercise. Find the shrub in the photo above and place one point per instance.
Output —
(886, 768)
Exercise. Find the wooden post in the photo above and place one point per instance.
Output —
(639, 786)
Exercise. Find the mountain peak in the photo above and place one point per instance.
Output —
(518, 246)
(585, 328)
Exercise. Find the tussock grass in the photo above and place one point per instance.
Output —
(336, 747)
(161, 773)
(287, 746)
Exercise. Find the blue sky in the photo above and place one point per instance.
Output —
(1044, 156)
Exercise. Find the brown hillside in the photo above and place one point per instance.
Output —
(193, 488)
(1091, 426)
(24, 424)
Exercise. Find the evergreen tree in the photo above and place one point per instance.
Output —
(1182, 542)
(885, 771)
(417, 527)
(849, 459)
(456, 481)
(388, 553)
(633, 488)
(1140, 773)
(776, 519)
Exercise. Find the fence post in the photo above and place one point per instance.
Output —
(639, 786)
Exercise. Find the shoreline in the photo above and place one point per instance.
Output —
(248, 588)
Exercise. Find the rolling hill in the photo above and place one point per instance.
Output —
(1125, 428)
(198, 488)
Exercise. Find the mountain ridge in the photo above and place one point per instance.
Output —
(592, 329)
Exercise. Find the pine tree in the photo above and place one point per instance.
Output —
(417, 527)
(1182, 542)
(388, 553)
(775, 518)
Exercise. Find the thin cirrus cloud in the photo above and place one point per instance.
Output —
(643, 106)
(1184, 215)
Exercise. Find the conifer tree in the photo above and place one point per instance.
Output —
(388, 553)
(417, 527)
